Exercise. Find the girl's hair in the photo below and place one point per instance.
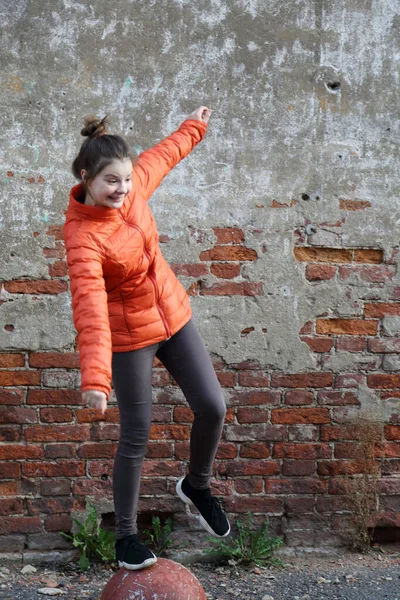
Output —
(99, 149)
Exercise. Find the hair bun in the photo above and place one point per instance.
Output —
(94, 127)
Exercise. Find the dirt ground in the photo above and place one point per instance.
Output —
(343, 576)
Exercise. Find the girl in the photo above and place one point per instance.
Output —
(129, 307)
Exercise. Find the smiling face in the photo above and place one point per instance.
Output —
(110, 187)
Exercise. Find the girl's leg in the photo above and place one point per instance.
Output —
(132, 382)
(186, 358)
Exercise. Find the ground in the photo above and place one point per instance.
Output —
(341, 576)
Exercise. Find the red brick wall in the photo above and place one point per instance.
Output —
(289, 443)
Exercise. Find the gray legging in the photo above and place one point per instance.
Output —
(186, 358)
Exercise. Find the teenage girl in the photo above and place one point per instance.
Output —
(129, 307)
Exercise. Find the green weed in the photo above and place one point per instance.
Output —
(93, 542)
(158, 535)
(250, 545)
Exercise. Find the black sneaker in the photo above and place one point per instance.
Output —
(133, 554)
(212, 517)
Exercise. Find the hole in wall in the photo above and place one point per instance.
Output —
(333, 86)
(108, 521)
(385, 535)
(9, 327)
(305, 197)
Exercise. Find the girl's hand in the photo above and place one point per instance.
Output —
(200, 114)
(95, 399)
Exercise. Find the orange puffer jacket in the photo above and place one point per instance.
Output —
(124, 294)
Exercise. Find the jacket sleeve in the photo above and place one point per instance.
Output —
(153, 165)
(90, 314)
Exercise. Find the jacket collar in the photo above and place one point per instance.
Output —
(89, 212)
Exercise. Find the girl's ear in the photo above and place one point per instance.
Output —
(83, 175)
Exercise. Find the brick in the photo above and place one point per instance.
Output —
(226, 450)
(384, 345)
(368, 255)
(59, 469)
(295, 486)
(169, 432)
(302, 433)
(182, 451)
(248, 486)
(256, 504)
(228, 235)
(254, 450)
(153, 487)
(320, 272)
(244, 433)
(159, 414)
(298, 468)
(256, 379)
(19, 451)
(368, 273)
(226, 378)
(11, 506)
(247, 365)
(252, 415)
(383, 381)
(331, 398)
(299, 397)
(58, 523)
(381, 309)
(101, 468)
(12, 414)
(392, 432)
(11, 397)
(18, 488)
(389, 486)
(244, 468)
(229, 253)
(240, 398)
(390, 467)
(336, 468)
(20, 525)
(351, 431)
(245, 288)
(183, 414)
(11, 360)
(56, 415)
(60, 451)
(47, 360)
(59, 379)
(105, 432)
(97, 488)
(321, 344)
(346, 327)
(352, 344)
(41, 286)
(353, 204)
(189, 270)
(10, 470)
(13, 378)
(307, 328)
(329, 255)
(160, 378)
(49, 505)
(57, 231)
(387, 450)
(327, 504)
(54, 397)
(225, 271)
(162, 468)
(12, 543)
(159, 450)
(302, 380)
(301, 451)
(58, 269)
(349, 380)
(300, 415)
(100, 450)
(93, 415)
(299, 505)
(57, 433)
(57, 252)
(11, 433)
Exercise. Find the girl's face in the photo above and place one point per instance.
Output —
(111, 185)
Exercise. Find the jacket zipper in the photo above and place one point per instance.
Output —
(153, 281)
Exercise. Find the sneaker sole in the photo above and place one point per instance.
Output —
(203, 522)
(147, 563)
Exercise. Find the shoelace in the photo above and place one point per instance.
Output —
(215, 504)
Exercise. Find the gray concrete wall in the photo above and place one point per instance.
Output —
(279, 130)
